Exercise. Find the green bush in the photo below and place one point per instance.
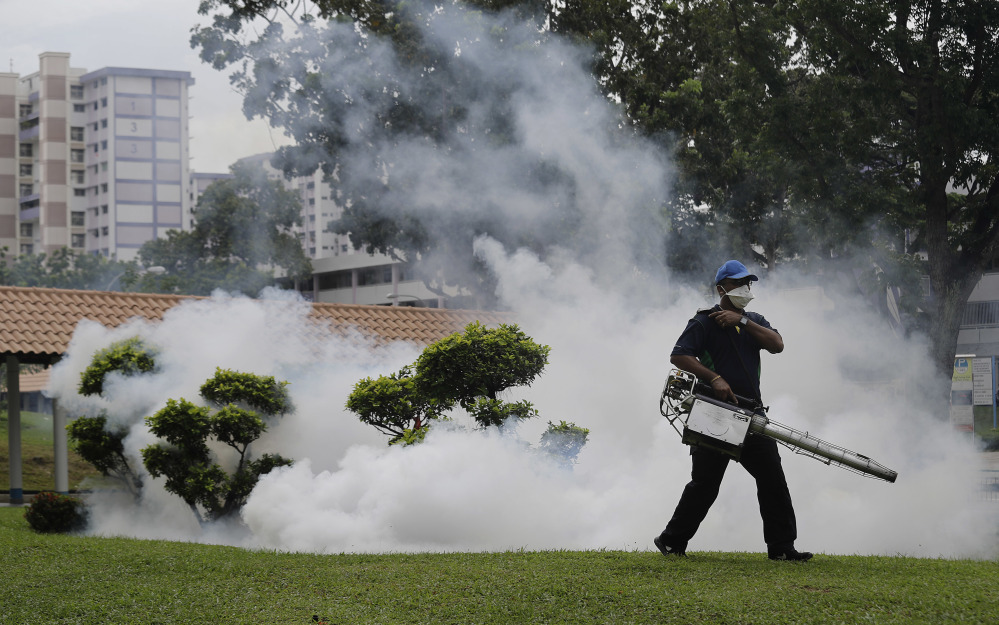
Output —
(52, 513)
(564, 441)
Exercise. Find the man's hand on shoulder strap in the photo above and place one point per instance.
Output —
(726, 318)
(767, 338)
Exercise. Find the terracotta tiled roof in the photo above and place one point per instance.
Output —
(404, 323)
(37, 324)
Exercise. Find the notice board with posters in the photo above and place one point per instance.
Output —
(962, 410)
(981, 370)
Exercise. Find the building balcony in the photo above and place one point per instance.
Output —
(29, 134)
(30, 214)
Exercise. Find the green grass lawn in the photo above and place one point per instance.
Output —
(37, 465)
(76, 579)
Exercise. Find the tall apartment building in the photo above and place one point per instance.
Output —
(137, 157)
(96, 161)
(41, 158)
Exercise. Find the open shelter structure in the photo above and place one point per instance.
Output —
(37, 324)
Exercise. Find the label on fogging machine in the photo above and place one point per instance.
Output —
(718, 423)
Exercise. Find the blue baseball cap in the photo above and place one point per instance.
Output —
(734, 270)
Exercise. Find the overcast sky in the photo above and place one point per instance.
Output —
(150, 34)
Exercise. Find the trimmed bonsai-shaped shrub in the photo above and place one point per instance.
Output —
(241, 405)
(99, 440)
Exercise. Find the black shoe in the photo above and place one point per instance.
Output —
(667, 550)
(789, 554)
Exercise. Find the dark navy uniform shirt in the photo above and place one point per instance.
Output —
(720, 349)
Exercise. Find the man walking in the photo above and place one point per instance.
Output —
(721, 346)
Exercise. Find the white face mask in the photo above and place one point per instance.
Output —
(740, 296)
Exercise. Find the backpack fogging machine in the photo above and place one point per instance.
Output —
(703, 421)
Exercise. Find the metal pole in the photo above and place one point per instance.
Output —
(59, 447)
(14, 429)
(818, 448)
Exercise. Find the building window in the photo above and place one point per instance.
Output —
(374, 275)
(27, 249)
(76, 156)
(25, 169)
(27, 189)
(104, 123)
(79, 193)
(76, 92)
(79, 108)
(95, 126)
(104, 186)
(104, 230)
(335, 280)
(77, 217)
(77, 176)
(27, 230)
(104, 166)
(104, 144)
(78, 240)
(76, 133)
(104, 209)
(25, 110)
(27, 149)
(104, 103)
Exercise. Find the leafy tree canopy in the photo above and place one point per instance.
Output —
(427, 140)
(66, 269)
(809, 132)
(812, 131)
(243, 234)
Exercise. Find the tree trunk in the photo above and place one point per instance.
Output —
(949, 300)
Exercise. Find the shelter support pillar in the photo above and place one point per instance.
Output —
(59, 447)
(14, 428)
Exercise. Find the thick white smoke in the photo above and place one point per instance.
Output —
(473, 490)
(610, 327)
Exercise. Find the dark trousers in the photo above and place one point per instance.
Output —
(760, 458)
